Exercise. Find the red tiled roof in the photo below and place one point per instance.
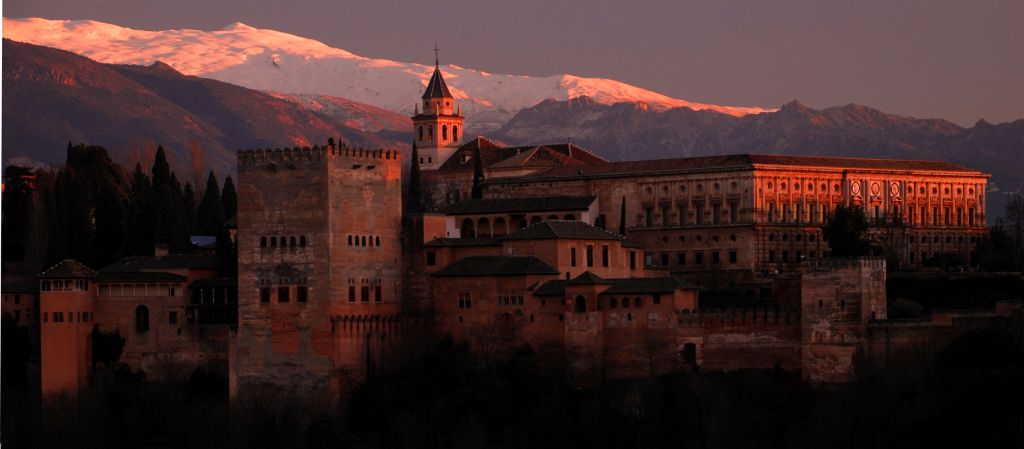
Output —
(496, 156)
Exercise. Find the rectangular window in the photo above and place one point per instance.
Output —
(17, 299)
(632, 260)
(664, 259)
(734, 212)
(364, 293)
(698, 258)
(681, 258)
(378, 294)
(785, 256)
(700, 215)
(465, 300)
(785, 213)
(959, 216)
(771, 256)
(970, 216)
(946, 212)
(572, 257)
(301, 293)
(604, 255)
(716, 258)
(666, 211)
(283, 294)
(771, 212)
(58, 317)
(649, 216)
(590, 255)
(682, 215)
(924, 216)
(265, 295)
(812, 212)
(431, 258)
(935, 215)
(657, 298)
(86, 317)
(351, 293)
(799, 213)
(732, 256)
(172, 317)
(716, 213)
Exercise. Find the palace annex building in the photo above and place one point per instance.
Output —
(606, 269)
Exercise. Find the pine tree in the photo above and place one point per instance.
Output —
(415, 201)
(846, 232)
(229, 198)
(210, 216)
(478, 175)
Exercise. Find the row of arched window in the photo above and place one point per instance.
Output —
(484, 228)
(580, 303)
(444, 132)
(364, 240)
(58, 317)
(283, 241)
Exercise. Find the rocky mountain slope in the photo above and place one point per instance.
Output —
(51, 97)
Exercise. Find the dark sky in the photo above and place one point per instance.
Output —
(955, 59)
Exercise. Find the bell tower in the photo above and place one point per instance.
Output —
(438, 128)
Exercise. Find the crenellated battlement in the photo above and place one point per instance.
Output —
(306, 155)
(841, 263)
(740, 316)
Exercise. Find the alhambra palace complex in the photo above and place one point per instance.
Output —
(610, 269)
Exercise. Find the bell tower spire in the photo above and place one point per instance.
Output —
(438, 128)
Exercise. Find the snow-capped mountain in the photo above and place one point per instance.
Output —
(271, 60)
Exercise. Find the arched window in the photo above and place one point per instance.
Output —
(142, 318)
(284, 241)
(302, 241)
(467, 228)
(455, 132)
(273, 242)
(570, 217)
(580, 304)
(536, 219)
(377, 243)
(350, 240)
(613, 303)
(364, 241)
(421, 132)
(444, 132)
(552, 217)
(638, 302)
(291, 241)
(263, 242)
(499, 227)
(484, 228)
(625, 303)
(430, 132)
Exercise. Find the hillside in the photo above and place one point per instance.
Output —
(53, 96)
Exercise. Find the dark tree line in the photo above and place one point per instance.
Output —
(95, 211)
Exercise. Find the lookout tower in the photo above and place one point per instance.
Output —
(438, 126)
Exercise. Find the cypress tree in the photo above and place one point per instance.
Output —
(140, 223)
(478, 174)
(210, 216)
(17, 208)
(189, 202)
(414, 180)
(229, 198)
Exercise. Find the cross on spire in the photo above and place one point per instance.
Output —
(437, 62)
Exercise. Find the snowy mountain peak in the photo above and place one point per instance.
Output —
(276, 61)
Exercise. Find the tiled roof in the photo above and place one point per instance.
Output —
(551, 288)
(68, 268)
(588, 278)
(467, 241)
(640, 286)
(496, 155)
(133, 264)
(513, 205)
(140, 276)
(562, 229)
(496, 266)
(743, 161)
(437, 88)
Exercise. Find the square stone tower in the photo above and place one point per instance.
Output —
(319, 247)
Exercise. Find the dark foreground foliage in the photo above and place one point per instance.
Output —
(968, 395)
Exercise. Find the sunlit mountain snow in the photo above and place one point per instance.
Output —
(275, 61)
